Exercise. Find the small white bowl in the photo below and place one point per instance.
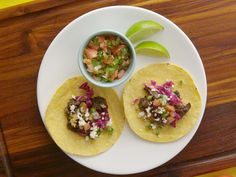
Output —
(114, 83)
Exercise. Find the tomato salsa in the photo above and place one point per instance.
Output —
(107, 57)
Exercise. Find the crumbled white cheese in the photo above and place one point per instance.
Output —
(109, 123)
(157, 119)
(93, 133)
(95, 115)
(153, 89)
(160, 110)
(164, 121)
(141, 114)
(81, 120)
(148, 109)
(96, 68)
(153, 126)
(86, 113)
(103, 105)
(79, 115)
(72, 108)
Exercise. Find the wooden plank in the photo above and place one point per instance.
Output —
(30, 7)
(5, 164)
(24, 38)
(204, 165)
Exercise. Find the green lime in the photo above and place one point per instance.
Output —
(143, 29)
(151, 48)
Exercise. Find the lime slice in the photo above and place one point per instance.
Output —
(151, 48)
(143, 29)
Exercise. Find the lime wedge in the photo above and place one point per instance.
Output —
(151, 48)
(143, 29)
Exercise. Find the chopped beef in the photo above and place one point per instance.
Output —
(153, 93)
(182, 109)
(177, 93)
(143, 103)
(99, 103)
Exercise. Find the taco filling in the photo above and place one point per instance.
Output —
(161, 106)
(88, 115)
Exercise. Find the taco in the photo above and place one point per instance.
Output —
(84, 119)
(162, 103)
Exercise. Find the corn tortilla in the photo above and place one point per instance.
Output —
(183, 83)
(71, 142)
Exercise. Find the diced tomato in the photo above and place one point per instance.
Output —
(108, 60)
(170, 119)
(116, 50)
(114, 76)
(90, 68)
(121, 74)
(170, 108)
(90, 53)
(111, 37)
(105, 49)
(101, 39)
(93, 46)
(104, 46)
(87, 61)
(102, 42)
(172, 114)
(156, 102)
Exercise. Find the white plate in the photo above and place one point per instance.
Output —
(130, 154)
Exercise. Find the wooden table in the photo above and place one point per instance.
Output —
(26, 32)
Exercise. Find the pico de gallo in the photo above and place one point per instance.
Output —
(107, 57)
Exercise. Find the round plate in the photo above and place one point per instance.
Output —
(130, 154)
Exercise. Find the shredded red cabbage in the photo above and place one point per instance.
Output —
(89, 91)
(165, 89)
(85, 98)
(102, 122)
(168, 85)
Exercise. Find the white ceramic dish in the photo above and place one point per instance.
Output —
(130, 154)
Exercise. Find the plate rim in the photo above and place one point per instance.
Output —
(67, 27)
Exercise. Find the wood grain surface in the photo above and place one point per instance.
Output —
(26, 32)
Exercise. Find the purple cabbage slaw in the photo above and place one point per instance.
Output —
(165, 89)
(88, 100)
